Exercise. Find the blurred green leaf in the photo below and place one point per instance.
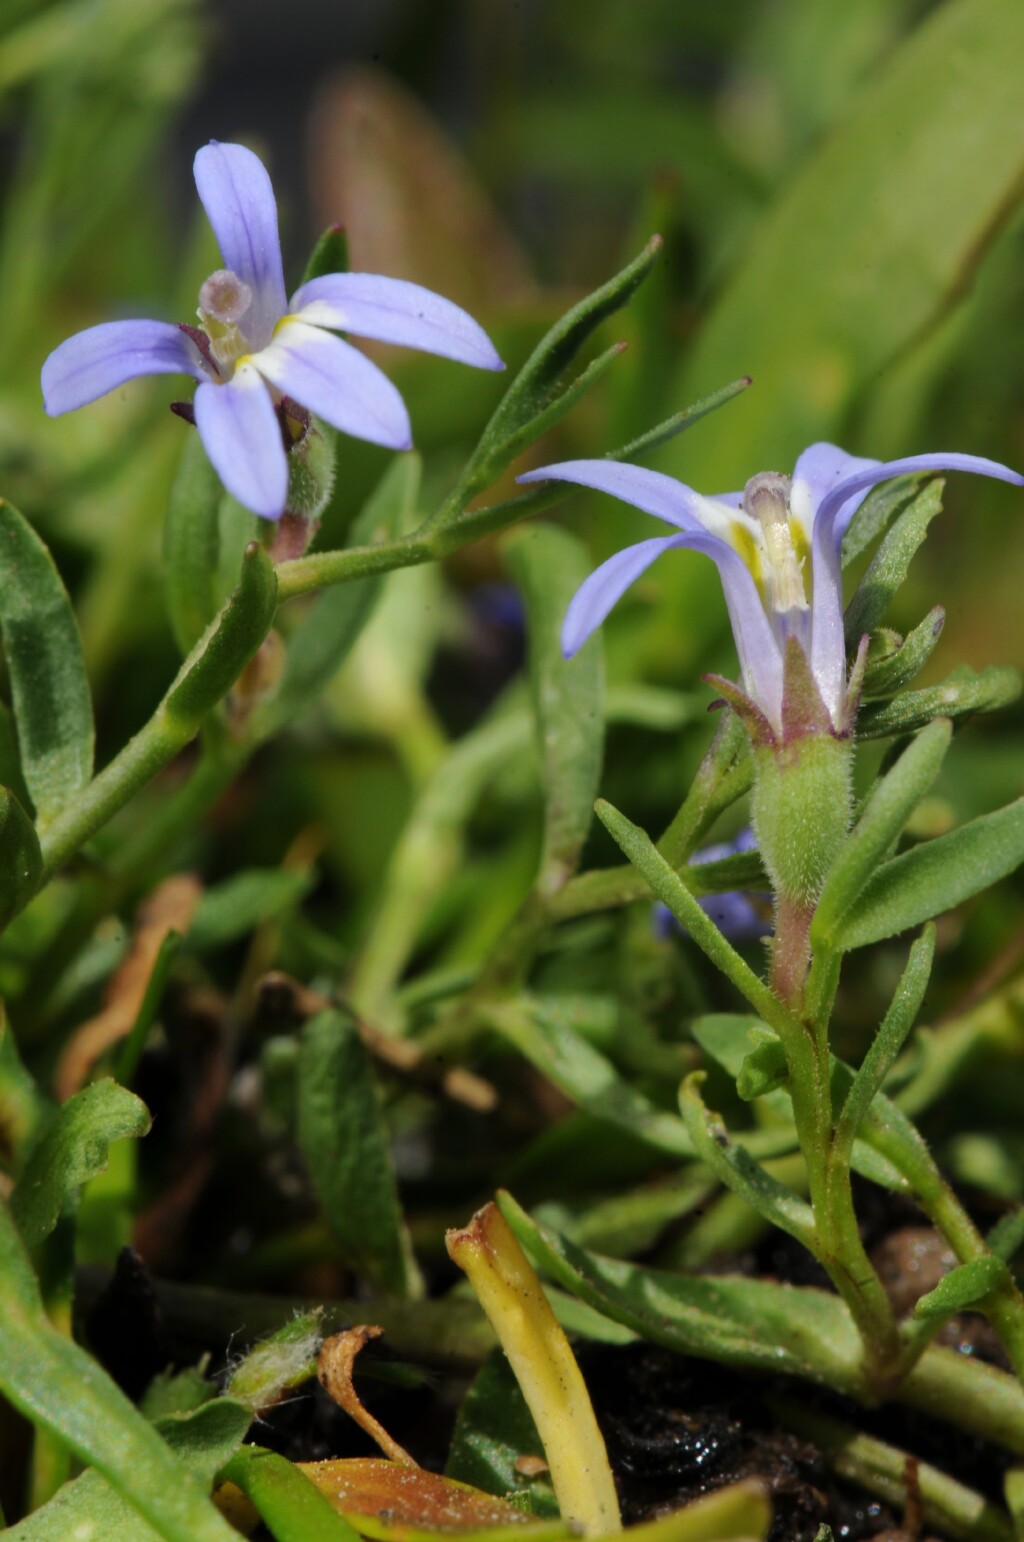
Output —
(329, 255)
(345, 1142)
(934, 876)
(568, 694)
(23, 1107)
(60, 1388)
(192, 545)
(73, 1150)
(21, 866)
(239, 904)
(92, 1509)
(52, 705)
(495, 1428)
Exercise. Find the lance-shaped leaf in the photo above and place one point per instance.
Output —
(21, 859)
(244, 901)
(345, 1142)
(961, 693)
(889, 566)
(885, 676)
(49, 688)
(549, 565)
(735, 1167)
(323, 639)
(292, 1507)
(879, 827)
(745, 1322)
(73, 1150)
(192, 545)
(59, 1387)
(934, 876)
(494, 1429)
(964, 1287)
(229, 643)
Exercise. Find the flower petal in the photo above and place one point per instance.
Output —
(652, 491)
(816, 473)
(100, 359)
(832, 517)
(241, 435)
(605, 587)
(759, 656)
(394, 311)
(236, 193)
(337, 382)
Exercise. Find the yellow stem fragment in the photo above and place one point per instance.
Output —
(543, 1363)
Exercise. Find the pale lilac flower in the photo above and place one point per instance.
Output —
(254, 350)
(777, 549)
(742, 915)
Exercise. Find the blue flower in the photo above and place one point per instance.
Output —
(740, 914)
(253, 350)
(777, 549)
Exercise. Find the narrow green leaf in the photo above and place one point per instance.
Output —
(91, 1509)
(1007, 1236)
(935, 876)
(757, 1324)
(733, 1165)
(887, 1043)
(23, 1107)
(290, 1505)
(345, 1142)
(879, 827)
(549, 565)
(889, 566)
(556, 410)
(965, 1286)
(49, 688)
(239, 904)
(494, 1429)
(73, 1150)
(548, 1041)
(739, 1512)
(893, 673)
(192, 545)
(130, 1051)
(59, 1387)
(318, 646)
(661, 433)
(229, 643)
(876, 514)
(667, 885)
(21, 863)
(960, 694)
(530, 391)
(329, 255)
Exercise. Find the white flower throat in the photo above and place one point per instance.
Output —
(224, 300)
(766, 499)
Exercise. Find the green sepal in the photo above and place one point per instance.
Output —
(888, 567)
(549, 565)
(229, 643)
(46, 665)
(965, 1286)
(329, 255)
(878, 828)
(961, 693)
(735, 1167)
(934, 877)
(896, 670)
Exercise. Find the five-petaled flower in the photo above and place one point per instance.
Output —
(777, 546)
(254, 351)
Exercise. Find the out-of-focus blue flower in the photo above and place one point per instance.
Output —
(777, 549)
(741, 915)
(253, 350)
